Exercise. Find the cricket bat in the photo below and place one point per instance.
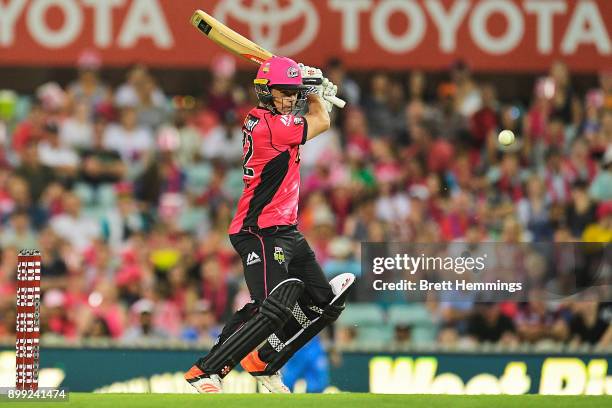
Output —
(236, 43)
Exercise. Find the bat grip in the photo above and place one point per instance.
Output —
(336, 101)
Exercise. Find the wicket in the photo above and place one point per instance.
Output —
(28, 320)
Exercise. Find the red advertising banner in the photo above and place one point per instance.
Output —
(508, 35)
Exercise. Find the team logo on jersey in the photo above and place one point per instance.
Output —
(292, 72)
(279, 255)
(297, 121)
(252, 259)
(286, 119)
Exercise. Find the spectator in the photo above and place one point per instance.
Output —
(29, 130)
(200, 325)
(53, 264)
(130, 92)
(342, 259)
(591, 323)
(602, 139)
(161, 177)
(97, 329)
(20, 200)
(220, 98)
(484, 123)
(347, 88)
(601, 188)
(99, 164)
(78, 229)
(153, 108)
(557, 183)
(189, 134)
(105, 306)
(537, 117)
(468, 99)
(20, 234)
(579, 166)
(133, 142)
(88, 88)
(508, 179)
(455, 224)
(37, 175)
(564, 101)
(143, 328)
(224, 141)
(52, 153)
(393, 205)
(488, 324)
(417, 87)
(600, 231)
(77, 130)
(581, 212)
(534, 211)
(124, 220)
(375, 106)
(452, 124)
(215, 288)
(56, 318)
(396, 106)
(535, 322)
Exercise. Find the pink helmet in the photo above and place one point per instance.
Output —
(280, 73)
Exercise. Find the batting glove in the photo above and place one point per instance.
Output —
(329, 91)
(312, 78)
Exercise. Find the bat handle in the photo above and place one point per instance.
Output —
(336, 101)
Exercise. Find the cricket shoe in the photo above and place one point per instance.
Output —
(273, 383)
(203, 383)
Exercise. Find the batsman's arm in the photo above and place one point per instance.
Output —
(317, 117)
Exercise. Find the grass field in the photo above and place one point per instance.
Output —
(85, 400)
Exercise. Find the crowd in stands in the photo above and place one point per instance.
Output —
(128, 193)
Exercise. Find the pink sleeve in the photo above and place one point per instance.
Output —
(287, 130)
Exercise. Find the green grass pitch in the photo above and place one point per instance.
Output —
(86, 400)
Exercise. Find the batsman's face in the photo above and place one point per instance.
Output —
(284, 100)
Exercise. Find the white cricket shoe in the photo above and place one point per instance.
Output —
(273, 383)
(202, 383)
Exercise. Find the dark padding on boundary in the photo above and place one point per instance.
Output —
(273, 314)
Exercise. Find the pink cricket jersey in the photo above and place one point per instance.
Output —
(271, 170)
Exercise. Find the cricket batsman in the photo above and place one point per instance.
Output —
(291, 299)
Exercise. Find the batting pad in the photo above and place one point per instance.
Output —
(273, 313)
(306, 327)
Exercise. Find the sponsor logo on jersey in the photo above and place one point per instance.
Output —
(252, 258)
(279, 255)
